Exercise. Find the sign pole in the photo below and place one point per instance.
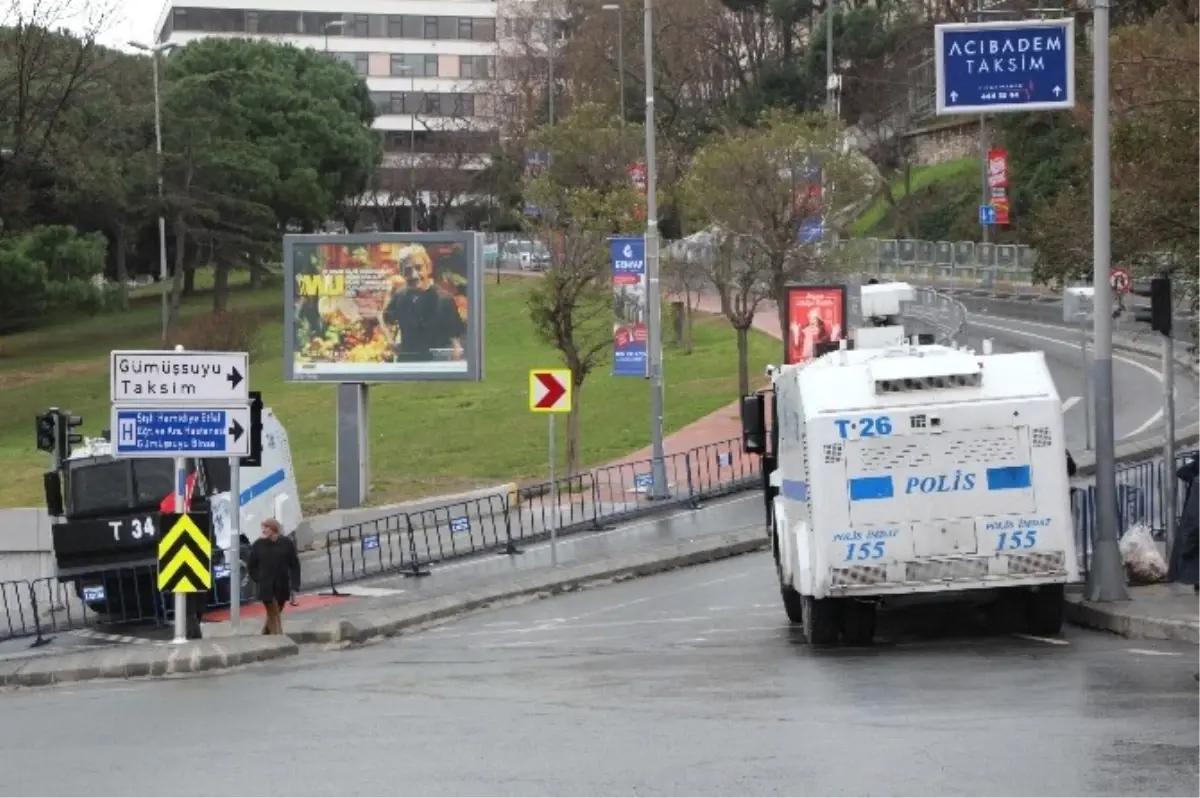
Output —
(1169, 485)
(1106, 577)
(180, 598)
(1087, 380)
(658, 468)
(233, 557)
(553, 497)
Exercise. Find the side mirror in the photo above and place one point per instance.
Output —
(52, 485)
(754, 424)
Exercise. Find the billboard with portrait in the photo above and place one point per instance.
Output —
(383, 307)
(814, 314)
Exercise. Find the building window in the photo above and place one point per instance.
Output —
(251, 22)
(397, 103)
(431, 104)
(418, 66)
(431, 28)
(383, 101)
(478, 67)
(483, 30)
(395, 27)
(362, 64)
(464, 28)
(360, 26)
(431, 66)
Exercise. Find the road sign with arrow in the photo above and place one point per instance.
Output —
(181, 432)
(179, 377)
(550, 390)
(185, 554)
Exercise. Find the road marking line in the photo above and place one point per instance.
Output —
(1150, 422)
(1054, 641)
(1070, 402)
(1149, 653)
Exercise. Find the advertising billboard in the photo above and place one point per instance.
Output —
(814, 314)
(383, 307)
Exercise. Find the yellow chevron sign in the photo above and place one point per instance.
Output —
(185, 554)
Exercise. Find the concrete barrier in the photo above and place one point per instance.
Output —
(26, 548)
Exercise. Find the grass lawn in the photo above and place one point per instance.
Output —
(425, 438)
(922, 176)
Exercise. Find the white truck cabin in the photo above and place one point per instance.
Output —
(920, 470)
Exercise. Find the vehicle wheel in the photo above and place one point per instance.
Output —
(820, 618)
(1007, 614)
(1045, 610)
(858, 623)
(793, 604)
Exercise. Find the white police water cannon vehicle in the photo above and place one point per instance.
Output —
(110, 517)
(901, 472)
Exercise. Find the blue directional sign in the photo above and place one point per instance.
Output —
(987, 214)
(182, 432)
(988, 67)
(812, 230)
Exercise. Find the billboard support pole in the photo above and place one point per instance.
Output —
(352, 438)
(658, 469)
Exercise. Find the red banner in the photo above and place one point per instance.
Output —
(997, 179)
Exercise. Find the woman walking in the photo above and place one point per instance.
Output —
(274, 565)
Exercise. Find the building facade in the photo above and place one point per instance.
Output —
(430, 66)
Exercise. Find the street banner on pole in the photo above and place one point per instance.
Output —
(997, 178)
(628, 257)
(814, 314)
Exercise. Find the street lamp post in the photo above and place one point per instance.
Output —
(658, 471)
(620, 53)
(154, 52)
(337, 24)
(407, 69)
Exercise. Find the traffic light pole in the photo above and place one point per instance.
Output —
(233, 557)
(1168, 483)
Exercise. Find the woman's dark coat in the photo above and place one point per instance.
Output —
(275, 567)
(1185, 557)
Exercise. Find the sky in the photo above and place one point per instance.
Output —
(118, 20)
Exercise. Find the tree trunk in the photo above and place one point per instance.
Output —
(743, 349)
(220, 294)
(189, 277)
(573, 429)
(122, 266)
(687, 321)
(177, 279)
(256, 274)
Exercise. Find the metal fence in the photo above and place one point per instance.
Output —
(412, 543)
(953, 261)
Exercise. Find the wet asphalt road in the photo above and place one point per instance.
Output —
(690, 683)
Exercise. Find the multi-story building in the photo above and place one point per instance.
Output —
(430, 66)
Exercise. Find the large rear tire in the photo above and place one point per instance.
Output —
(1045, 609)
(792, 604)
(821, 620)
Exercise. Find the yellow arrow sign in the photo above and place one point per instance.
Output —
(184, 556)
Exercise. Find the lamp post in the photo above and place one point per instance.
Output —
(155, 51)
(620, 53)
(407, 69)
(337, 24)
(658, 471)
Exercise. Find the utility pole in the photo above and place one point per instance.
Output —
(985, 192)
(620, 12)
(1106, 577)
(659, 488)
(550, 58)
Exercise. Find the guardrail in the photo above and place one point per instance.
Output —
(966, 261)
(412, 543)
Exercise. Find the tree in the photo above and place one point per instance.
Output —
(260, 137)
(761, 185)
(582, 198)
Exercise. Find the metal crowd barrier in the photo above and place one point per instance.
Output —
(40, 608)
(412, 543)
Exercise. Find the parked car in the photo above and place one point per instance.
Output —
(524, 255)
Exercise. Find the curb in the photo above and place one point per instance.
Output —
(131, 662)
(390, 622)
(1118, 620)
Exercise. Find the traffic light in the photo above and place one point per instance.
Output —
(1159, 293)
(254, 460)
(47, 430)
(66, 438)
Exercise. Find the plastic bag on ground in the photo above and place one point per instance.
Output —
(1143, 562)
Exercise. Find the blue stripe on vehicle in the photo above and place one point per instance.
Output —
(795, 489)
(262, 486)
(1009, 478)
(868, 488)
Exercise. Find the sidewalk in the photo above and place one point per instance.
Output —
(1153, 612)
